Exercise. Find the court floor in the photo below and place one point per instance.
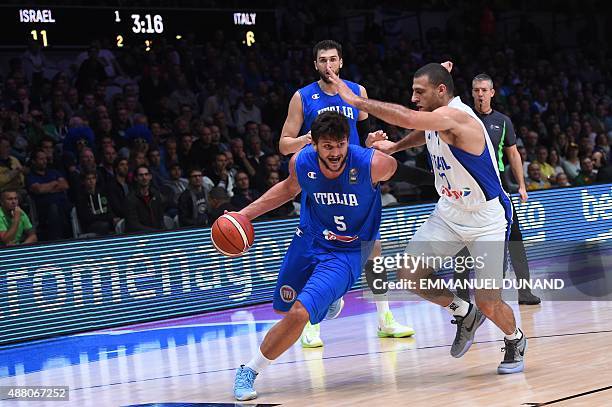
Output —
(191, 361)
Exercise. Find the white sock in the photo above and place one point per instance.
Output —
(381, 308)
(458, 307)
(259, 362)
(517, 334)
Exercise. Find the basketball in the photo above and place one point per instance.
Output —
(232, 234)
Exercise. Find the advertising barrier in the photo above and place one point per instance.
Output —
(73, 286)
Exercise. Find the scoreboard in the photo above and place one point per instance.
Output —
(57, 27)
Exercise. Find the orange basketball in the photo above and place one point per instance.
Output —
(232, 234)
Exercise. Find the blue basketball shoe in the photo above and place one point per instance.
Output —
(243, 384)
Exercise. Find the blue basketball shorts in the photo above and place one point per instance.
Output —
(315, 275)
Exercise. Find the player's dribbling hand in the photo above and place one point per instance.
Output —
(523, 193)
(378, 135)
(385, 146)
(345, 93)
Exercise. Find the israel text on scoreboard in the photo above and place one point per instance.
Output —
(67, 287)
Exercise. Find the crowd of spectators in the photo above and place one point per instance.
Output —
(141, 141)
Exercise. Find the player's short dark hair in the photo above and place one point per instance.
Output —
(325, 45)
(481, 77)
(437, 75)
(330, 124)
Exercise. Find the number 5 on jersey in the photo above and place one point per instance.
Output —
(340, 225)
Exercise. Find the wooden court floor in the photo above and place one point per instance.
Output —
(569, 353)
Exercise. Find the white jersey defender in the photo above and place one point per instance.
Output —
(473, 207)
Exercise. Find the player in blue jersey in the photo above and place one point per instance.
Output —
(473, 209)
(339, 224)
(305, 105)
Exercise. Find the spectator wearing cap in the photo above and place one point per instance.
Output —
(218, 203)
(571, 163)
(93, 206)
(192, 203)
(145, 205)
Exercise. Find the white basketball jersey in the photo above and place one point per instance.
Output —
(463, 179)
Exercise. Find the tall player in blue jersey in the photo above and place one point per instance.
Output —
(473, 209)
(338, 223)
(305, 105)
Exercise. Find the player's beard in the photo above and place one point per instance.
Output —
(324, 77)
(339, 168)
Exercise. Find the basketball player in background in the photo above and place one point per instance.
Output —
(324, 258)
(501, 132)
(473, 209)
(305, 105)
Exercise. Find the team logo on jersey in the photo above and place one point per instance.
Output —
(298, 232)
(353, 175)
(329, 235)
(312, 175)
(454, 193)
(495, 127)
(287, 293)
(315, 96)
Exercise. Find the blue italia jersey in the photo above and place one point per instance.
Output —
(315, 102)
(343, 212)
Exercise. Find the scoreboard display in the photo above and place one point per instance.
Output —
(57, 27)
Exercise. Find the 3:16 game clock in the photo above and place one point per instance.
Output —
(68, 27)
